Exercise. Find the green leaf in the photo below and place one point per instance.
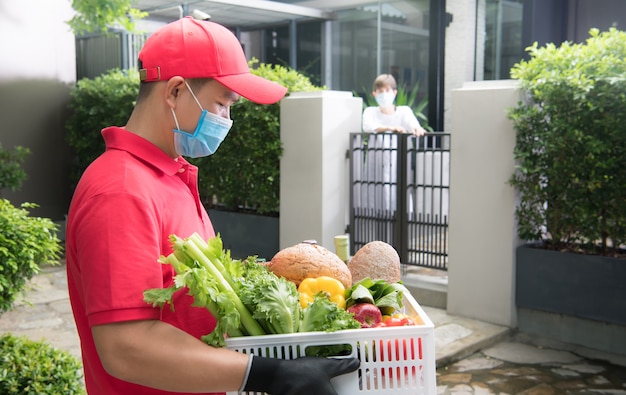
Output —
(386, 296)
(324, 315)
(26, 243)
(570, 144)
(11, 172)
(361, 294)
(100, 15)
(30, 367)
(159, 296)
(96, 104)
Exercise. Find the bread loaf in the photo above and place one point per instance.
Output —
(376, 260)
(307, 259)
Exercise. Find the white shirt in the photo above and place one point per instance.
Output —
(403, 116)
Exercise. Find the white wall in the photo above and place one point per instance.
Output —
(482, 230)
(35, 41)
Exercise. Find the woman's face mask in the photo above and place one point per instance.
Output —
(210, 131)
(385, 99)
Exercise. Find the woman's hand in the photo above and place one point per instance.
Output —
(419, 131)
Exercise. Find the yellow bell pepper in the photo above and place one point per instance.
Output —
(309, 287)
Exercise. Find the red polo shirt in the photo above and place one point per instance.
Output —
(125, 207)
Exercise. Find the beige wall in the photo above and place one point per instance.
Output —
(314, 171)
(482, 231)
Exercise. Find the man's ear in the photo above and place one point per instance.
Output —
(173, 89)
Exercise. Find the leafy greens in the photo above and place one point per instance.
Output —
(243, 295)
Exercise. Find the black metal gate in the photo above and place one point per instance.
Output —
(400, 192)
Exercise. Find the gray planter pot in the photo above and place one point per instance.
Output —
(584, 286)
(246, 234)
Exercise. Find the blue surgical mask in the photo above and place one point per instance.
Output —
(385, 99)
(210, 131)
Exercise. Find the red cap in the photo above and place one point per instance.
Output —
(191, 48)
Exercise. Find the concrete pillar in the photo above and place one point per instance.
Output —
(483, 234)
(314, 169)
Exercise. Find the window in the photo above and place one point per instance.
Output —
(384, 37)
(503, 38)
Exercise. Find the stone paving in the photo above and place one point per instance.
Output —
(530, 366)
(45, 312)
(473, 357)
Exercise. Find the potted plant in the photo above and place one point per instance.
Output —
(571, 178)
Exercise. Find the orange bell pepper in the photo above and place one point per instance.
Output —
(333, 288)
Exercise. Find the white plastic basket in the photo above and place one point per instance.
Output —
(394, 360)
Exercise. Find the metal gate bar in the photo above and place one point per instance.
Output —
(399, 194)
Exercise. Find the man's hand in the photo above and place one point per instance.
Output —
(302, 376)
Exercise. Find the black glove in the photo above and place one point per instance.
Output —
(301, 376)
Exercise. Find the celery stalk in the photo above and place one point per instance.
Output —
(191, 249)
(210, 254)
(197, 289)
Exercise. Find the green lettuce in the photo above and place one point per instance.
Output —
(245, 297)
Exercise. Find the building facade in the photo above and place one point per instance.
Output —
(342, 45)
(434, 44)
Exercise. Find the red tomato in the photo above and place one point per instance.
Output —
(398, 320)
(393, 321)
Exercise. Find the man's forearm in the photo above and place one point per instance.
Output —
(156, 354)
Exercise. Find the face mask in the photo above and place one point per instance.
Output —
(210, 131)
(385, 99)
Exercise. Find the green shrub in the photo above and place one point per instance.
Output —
(11, 173)
(97, 103)
(35, 368)
(244, 174)
(25, 243)
(571, 144)
(97, 16)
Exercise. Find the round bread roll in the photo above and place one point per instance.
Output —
(376, 260)
(308, 259)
